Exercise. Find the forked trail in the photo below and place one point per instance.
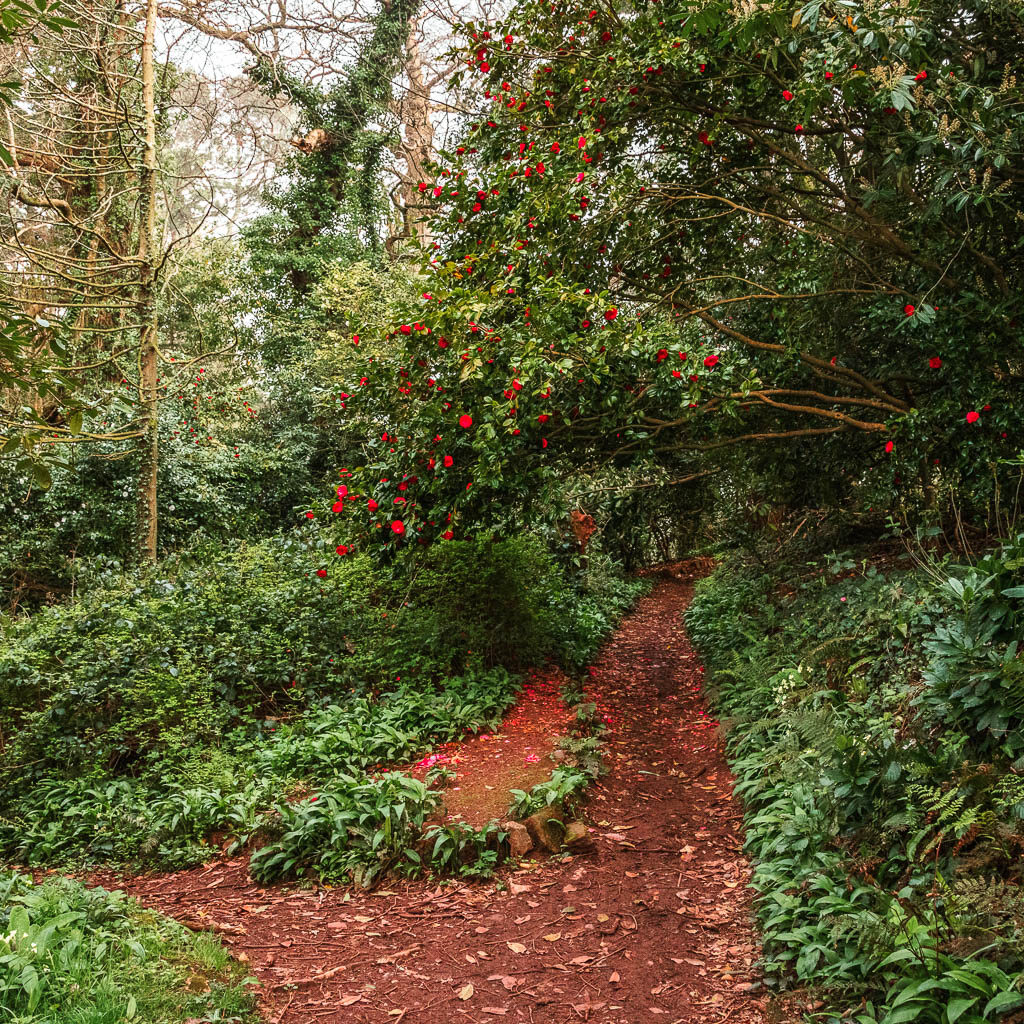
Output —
(651, 921)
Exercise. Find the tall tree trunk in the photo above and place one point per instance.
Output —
(417, 144)
(146, 518)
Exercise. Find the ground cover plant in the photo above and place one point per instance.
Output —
(71, 953)
(873, 712)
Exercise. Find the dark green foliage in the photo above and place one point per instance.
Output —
(68, 953)
(154, 711)
(356, 829)
(874, 739)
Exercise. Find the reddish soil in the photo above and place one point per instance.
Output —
(517, 756)
(651, 923)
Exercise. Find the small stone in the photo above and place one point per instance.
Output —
(519, 841)
(575, 832)
(546, 828)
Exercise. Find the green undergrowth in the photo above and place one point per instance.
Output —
(236, 698)
(75, 955)
(875, 720)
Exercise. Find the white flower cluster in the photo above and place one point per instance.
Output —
(785, 682)
(9, 938)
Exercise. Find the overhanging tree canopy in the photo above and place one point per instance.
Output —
(681, 226)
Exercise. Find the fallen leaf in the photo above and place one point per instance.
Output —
(349, 1000)
(516, 947)
(499, 1010)
(552, 936)
(614, 977)
(466, 992)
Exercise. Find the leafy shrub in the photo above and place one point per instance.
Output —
(155, 712)
(460, 849)
(879, 779)
(563, 788)
(357, 829)
(72, 953)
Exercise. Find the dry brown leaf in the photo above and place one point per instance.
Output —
(614, 977)
(516, 947)
(349, 1000)
(466, 992)
(552, 936)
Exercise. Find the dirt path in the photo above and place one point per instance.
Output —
(651, 923)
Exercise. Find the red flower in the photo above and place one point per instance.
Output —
(405, 329)
(371, 505)
(710, 361)
(449, 461)
(888, 447)
(935, 362)
(322, 573)
(920, 76)
(828, 75)
(342, 549)
(908, 309)
(398, 527)
(798, 129)
(555, 147)
(611, 314)
(309, 515)
(465, 421)
(787, 95)
(542, 418)
(582, 143)
(662, 354)
(447, 534)
(338, 506)
(973, 417)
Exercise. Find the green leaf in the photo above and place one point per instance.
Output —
(956, 1008)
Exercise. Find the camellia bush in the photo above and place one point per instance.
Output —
(676, 228)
